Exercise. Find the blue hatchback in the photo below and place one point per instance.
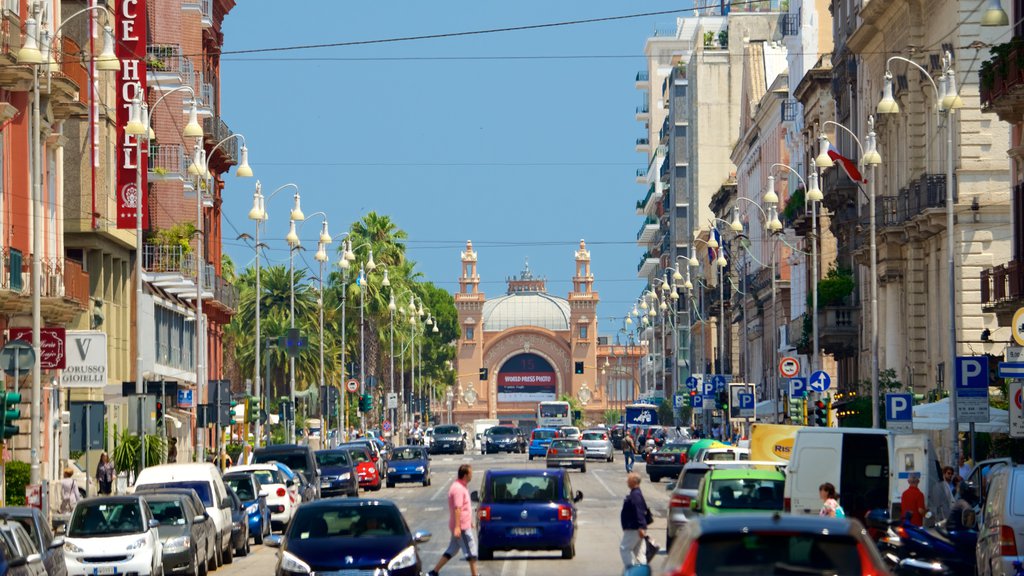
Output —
(540, 439)
(409, 464)
(527, 510)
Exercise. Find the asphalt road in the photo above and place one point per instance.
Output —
(597, 539)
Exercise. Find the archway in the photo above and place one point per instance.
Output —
(526, 377)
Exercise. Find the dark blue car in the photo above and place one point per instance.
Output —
(248, 490)
(527, 510)
(409, 464)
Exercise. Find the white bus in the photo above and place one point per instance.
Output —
(553, 413)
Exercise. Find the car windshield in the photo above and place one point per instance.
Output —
(594, 436)
(332, 458)
(266, 477)
(720, 456)
(778, 553)
(93, 519)
(501, 431)
(672, 449)
(543, 434)
(570, 431)
(447, 430)
(564, 443)
(746, 494)
(167, 512)
(509, 488)
(294, 460)
(691, 478)
(316, 522)
(242, 486)
(201, 488)
(407, 454)
(359, 455)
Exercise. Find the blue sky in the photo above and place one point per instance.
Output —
(523, 156)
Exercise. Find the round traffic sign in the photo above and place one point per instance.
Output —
(789, 367)
(1018, 400)
(352, 385)
(1018, 326)
(386, 425)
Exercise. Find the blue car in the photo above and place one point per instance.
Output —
(248, 489)
(527, 510)
(409, 464)
(540, 439)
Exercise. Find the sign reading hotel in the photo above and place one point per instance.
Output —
(527, 378)
(130, 32)
(87, 359)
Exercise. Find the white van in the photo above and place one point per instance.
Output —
(206, 480)
(869, 468)
(1001, 534)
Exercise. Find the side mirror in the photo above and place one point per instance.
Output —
(421, 536)
(264, 494)
(57, 542)
(290, 483)
(34, 559)
(226, 502)
(154, 523)
(578, 496)
(274, 540)
(318, 472)
(474, 496)
(199, 519)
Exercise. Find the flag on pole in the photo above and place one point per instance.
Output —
(712, 252)
(848, 165)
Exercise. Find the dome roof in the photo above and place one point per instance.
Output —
(526, 309)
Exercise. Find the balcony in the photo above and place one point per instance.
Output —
(12, 76)
(790, 110)
(64, 293)
(168, 162)
(643, 145)
(648, 231)
(643, 111)
(926, 193)
(641, 176)
(1002, 289)
(1001, 81)
(648, 206)
(203, 7)
(789, 24)
(207, 104)
(838, 327)
(167, 69)
(648, 265)
(218, 292)
(643, 80)
(215, 132)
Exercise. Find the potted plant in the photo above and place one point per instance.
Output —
(723, 38)
(709, 38)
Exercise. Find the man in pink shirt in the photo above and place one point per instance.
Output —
(460, 522)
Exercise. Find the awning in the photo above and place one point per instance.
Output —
(935, 416)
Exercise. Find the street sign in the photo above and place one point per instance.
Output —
(352, 385)
(789, 367)
(392, 400)
(185, 399)
(691, 383)
(51, 346)
(820, 381)
(386, 425)
(971, 380)
(1011, 369)
(1016, 408)
(746, 402)
(1018, 327)
(707, 387)
(899, 412)
(698, 402)
(17, 358)
(679, 401)
(719, 382)
(797, 387)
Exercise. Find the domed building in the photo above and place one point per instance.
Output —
(528, 346)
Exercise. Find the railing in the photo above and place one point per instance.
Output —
(790, 110)
(641, 172)
(205, 7)
(642, 203)
(72, 67)
(649, 221)
(838, 320)
(1001, 74)
(10, 33)
(643, 76)
(61, 277)
(167, 258)
(789, 24)
(643, 108)
(646, 260)
(76, 282)
(1003, 283)
(167, 159)
(164, 58)
(216, 130)
(643, 142)
(225, 293)
(206, 95)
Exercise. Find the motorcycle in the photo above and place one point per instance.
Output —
(911, 549)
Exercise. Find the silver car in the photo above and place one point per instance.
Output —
(684, 491)
(597, 444)
(566, 453)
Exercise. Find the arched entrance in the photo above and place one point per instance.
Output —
(526, 378)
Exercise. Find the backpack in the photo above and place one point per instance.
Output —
(840, 513)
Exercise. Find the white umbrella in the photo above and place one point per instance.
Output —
(935, 416)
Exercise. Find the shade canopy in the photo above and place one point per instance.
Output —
(935, 416)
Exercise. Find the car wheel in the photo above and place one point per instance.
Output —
(655, 479)
(569, 551)
(258, 538)
(426, 481)
(583, 468)
(391, 484)
(228, 556)
(485, 554)
(194, 568)
(611, 457)
(531, 457)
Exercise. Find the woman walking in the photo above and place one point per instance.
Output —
(829, 500)
(105, 475)
(68, 491)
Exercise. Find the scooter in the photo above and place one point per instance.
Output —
(942, 551)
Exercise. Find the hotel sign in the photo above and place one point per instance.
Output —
(130, 31)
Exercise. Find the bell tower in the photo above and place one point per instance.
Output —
(583, 331)
(469, 303)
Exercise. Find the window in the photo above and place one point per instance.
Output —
(583, 332)
(469, 333)
(523, 488)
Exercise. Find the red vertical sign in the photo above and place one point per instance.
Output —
(130, 32)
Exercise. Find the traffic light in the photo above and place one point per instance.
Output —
(796, 411)
(820, 413)
(160, 413)
(723, 400)
(483, 373)
(8, 413)
(365, 403)
(252, 411)
(579, 367)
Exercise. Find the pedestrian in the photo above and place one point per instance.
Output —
(912, 501)
(949, 479)
(829, 500)
(628, 451)
(460, 523)
(68, 491)
(965, 467)
(940, 499)
(635, 519)
(105, 475)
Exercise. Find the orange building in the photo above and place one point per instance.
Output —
(534, 346)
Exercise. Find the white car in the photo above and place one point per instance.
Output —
(113, 535)
(282, 500)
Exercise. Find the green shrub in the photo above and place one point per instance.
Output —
(16, 477)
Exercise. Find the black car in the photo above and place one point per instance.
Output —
(503, 439)
(208, 527)
(298, 458)
(52, 549)
(616, 434)
(18, 553)
(448, 438)
(350, 536)
(668, 461)
(182, 533)
(239, 524)
(338, 476)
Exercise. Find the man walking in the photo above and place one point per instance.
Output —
(628, 450)
(460, 522)
(912, 501)
(635, 517)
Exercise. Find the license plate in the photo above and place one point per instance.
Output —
(523, 531)
(325, 484)
(664, 459)
(406, 476)
(104, 570)
(446, 445)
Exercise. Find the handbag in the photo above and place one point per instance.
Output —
(648, 517)
(652, 549)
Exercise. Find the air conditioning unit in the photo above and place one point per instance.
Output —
(65, 418)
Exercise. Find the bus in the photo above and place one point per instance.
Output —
(553, 413)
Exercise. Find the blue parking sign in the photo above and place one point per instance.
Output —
(697, 401)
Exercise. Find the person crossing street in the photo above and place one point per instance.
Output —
(628, 451)
(460, 523)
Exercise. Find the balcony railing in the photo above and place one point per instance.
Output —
(790, 110)
(167, 160)
(1001, 79)
(789, 24)
(643, 142)
(163, 258)
(164, 58)
(61, 277)
(206, 96)
(217, 131)
(643, 108)
(1003, 283)
(225, 293)
(643, 76)
(204, 7)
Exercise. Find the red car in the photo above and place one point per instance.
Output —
(366, 469)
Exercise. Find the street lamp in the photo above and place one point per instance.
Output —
(368, 266)
(995, 15)
(321, 257)
(947, 101)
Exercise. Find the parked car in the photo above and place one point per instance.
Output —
(773, 544)
(448, 438)
(366, 469)
(571, 432)
(281, 500)
(526, 510)
(428, 437)
(294, 482)
(596, 444)
(50, 548)
(616, 434)
(247, 487)
(409, 464)
(684, 492)
(540, 439)
(349, 536)
(378, 458)
(566, 453)
(1001, 534)
(298, 458)
(19, 551)
(239, 524)
(668, 461)
(113, 535)
(338, 474)
(182, 530)
(207, 528)
(729, 489)
(206, 480)
(728, 454)
(503, 439)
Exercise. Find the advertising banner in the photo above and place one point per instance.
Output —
(527, 378)
(130, 32)
(51, 342)
(87, 360)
